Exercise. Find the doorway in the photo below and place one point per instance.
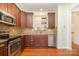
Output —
(75, 27)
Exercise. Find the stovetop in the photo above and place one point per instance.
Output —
(4, 35)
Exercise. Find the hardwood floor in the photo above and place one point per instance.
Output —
(49, 52)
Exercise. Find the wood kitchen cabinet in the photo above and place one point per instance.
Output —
(22, 43)
(23, 19)
(18, 18)
(29, 42)
(29, 20)
(12, 9)
(41, 40)
(51, 20)
(3, 6)
(3, 49)
(26, 20)
(36, 41)
(16, 12)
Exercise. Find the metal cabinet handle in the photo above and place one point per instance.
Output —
(1, 45)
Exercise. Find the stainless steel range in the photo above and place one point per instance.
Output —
(14, 47)
(14, 43)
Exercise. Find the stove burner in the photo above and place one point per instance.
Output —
(4, 34)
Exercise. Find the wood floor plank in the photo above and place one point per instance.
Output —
(49, 52)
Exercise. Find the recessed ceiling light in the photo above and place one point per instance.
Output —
(41, 9)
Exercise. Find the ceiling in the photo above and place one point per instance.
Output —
(48, 7)
(76, 8)
(30, 7)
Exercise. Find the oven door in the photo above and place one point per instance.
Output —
(14, 47)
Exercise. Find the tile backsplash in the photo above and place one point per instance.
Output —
(13, 30)
(4, 26)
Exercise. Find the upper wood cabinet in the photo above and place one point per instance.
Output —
(23, 19)
(12, 9)
(15, 11)
(18, 18)
(29, 20)
(51, 20)
(3, 6)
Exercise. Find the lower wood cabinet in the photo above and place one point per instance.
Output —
(36, 41)
(29, 42)
(3, 49)
(22, 43)
(41, 40)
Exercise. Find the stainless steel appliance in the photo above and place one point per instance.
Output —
(14, 47)
(4, 34)
(13, 43)
(6, 18)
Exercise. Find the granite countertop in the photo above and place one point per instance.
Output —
(36, 32)
(3, 40)
(28, 31)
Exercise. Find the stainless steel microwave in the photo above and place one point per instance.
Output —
(7, 18)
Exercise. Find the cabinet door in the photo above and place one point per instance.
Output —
(23, 19)
(3, 49)
(12, 9)
(29, 20)
(29, 42)
(3, 6)
(26, 20)
(51, 20)
(18, 18)
(36, 41)
(41, 41)
(22, 43)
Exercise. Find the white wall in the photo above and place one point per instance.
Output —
(64, 27)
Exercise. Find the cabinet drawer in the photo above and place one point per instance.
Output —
(3, 49)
